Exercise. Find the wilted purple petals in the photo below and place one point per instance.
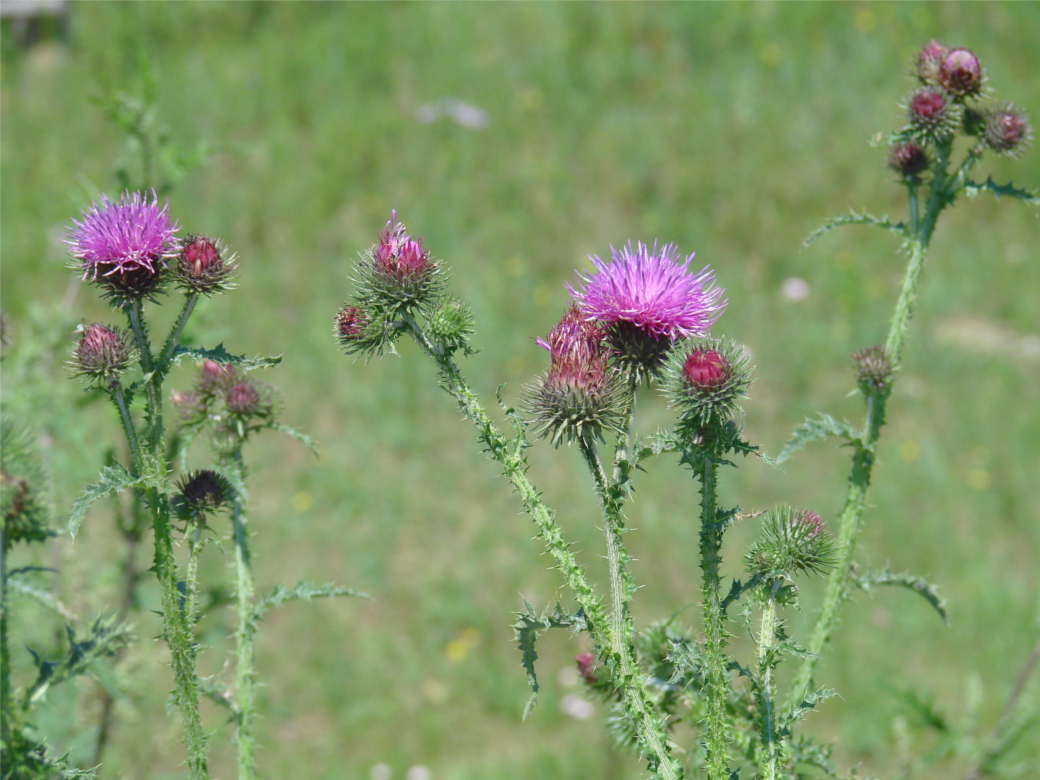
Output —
(578, 356)
(126, 237)
(652, 290)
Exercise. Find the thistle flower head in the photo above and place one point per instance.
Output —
(792, 542)
(909, 160)
(1007, 130)
(102, 354)
(581, 395)
(351, 323)
(960, 73)
(204, 266)
(451, 324)
(201, 493)
(705, 379)
(873, 369)
(929, 60)
(932, 114)
(647, 298)
(124, 246)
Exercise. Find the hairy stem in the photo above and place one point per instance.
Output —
(716, 688)
(245, 632)
(767, 685)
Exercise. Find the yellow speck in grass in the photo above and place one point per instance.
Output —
(301, 502)
(771, 55)
(909, 450)
(978, 479)
(458, 648)
(865, 21)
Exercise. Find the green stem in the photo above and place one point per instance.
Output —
(245, 632)
(8, 720)
(177, 630)
(767, 684)
(191, 577)
(850, 521)
(716, 688)
(509, 456)
(129, 429)
(175, 333)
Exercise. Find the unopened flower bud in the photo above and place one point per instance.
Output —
(792, 542)
(398, 273)
(451, 323)
(586, 663)
(705, 369)
(243, 399)
(350, 324)
(931, 113)
(102, 354)
(960, 73)
(201, 266)
(189, 405)
(929, 60)
(1007, 130)
(214, 377)
(202, 492)
(908, 160)
(873, 369)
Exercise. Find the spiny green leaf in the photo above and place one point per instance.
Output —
(528, 626)
(918, 585)
(288, 430)
(301, 591)
(220, 355)
(43, 596)
(113, 479)
(814, 430)
(852, 218)
(972, 189)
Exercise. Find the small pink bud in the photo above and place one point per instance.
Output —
(960, 73)
(213, 377)
(908, 160)
(1007, 130)
(101, 354)
(929, 60)
(243, 399)
(587, 667)
(705, 369)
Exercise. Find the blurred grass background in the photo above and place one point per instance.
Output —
(731, 130)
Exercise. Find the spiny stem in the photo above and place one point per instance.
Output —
(766, 684)
(717, 737)
(245, 632)
(175, 333)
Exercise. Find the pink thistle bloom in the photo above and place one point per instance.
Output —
(651, 290)
(129, 237)
(399, 256)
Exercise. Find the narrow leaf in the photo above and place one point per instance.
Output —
(300, 436)
(526, 629)
(220, 355)
(814, 430)
(302, 591)
(1009, 190)
(918, 585)
(852, 218)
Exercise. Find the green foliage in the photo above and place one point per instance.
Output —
(528, 626)
(918, 585)
(815, 430)
(301, 591)
(220, 355)
(113, 479)
(105, 637)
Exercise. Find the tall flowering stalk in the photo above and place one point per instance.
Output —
(945, 105)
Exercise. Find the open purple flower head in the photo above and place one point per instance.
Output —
(129, 237)
(651, 290)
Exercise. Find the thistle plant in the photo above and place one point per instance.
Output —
(643, 319)
(130, 250)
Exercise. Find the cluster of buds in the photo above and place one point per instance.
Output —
(792, 542)
(705, 379)
(581, 396)
(945, 102)
(393, 280)
(201, 493)
(228, 399)
(130, 249)
(101, 355)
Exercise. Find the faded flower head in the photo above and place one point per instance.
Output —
(873, 369)
(1007, 130)
(960, 73)
(124, 246)
(580, 396)
(204, 265)
(102, 354)
(647, 298)
(929, 60)
(792, 542)
(200, 493)
(909, 160)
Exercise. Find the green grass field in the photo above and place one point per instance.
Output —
(732, 130)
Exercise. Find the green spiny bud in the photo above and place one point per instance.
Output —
(451, 324)
(873, 369)
(101, 355)
(792, 542)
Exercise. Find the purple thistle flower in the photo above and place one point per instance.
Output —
(130, 237)
(651, 290)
